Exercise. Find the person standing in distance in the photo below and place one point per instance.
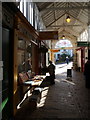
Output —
(67, 60)
(87, 73)
(51, 70)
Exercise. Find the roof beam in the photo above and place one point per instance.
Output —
(55, 20)
(84, 25)
(72, 32)
(66, 8)
(54, 13)
(78, 20)
(44, 6)
(68, 36)
(81, 11)
(65, 25)
(69, 31)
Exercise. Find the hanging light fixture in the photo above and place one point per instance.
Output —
(63, 37)
(68, 19)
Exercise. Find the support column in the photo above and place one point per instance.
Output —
(1, 63)
(88, 30)
(53, 57)
(88, 42)
(51, 53)
(15, 98)
(75, 56)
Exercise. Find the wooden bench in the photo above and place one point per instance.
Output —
(25, 83)
(23, 89)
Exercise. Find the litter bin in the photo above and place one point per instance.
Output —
(69, 72)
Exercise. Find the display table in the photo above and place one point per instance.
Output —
(35, 81)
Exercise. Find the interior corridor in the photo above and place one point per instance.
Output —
(68, 98)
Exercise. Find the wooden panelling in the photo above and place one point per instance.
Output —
(7, 18)
(22, 21)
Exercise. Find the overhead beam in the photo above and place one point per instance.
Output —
(66, 8)
(80, 14)
(44, 6)
(69, 31)
(84, 25)
(69, 48)
(77, 20)
(68, 37)
(72, 31)
(64, 26)
(54, 13)
(55, 20)
(81, 10)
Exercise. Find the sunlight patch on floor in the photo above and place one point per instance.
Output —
(43, 97)
(68, 81)
(57, 80)
(19, 105)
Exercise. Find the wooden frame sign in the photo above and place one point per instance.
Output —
(48, 35)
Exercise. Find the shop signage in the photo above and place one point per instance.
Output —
(83, 44)
(54, 50)
(48, 35)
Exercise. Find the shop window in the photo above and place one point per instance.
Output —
(24, 56)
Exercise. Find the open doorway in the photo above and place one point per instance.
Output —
(65, 47)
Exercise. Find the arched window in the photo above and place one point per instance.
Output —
(63, 46)
(63, 43)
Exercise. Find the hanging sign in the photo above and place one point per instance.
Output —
(48, 35)
(54, 50)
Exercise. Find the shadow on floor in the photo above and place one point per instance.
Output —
(62, 101)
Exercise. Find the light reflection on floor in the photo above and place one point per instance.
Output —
(62, 68)
(68, 81)
(43, 97)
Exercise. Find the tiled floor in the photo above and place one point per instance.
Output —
(67, 99)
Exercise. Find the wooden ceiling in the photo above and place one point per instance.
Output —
(54, 17)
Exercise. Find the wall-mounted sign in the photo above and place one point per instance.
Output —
(83, 44)
(48, 35)
(54, 50)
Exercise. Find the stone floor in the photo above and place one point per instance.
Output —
(67, 99)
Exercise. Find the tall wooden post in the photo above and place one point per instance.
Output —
(1, 63)
(15, 72)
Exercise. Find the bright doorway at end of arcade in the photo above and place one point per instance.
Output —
(65, 51)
